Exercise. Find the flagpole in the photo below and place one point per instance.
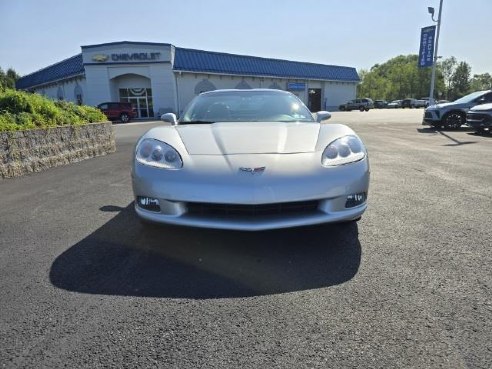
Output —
(433, 77)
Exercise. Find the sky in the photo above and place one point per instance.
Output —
(355, 33)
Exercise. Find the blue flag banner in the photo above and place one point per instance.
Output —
(426, 55)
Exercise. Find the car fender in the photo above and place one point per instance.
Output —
(330, 132)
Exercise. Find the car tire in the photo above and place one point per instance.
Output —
(453, 120)
(341, 108)
(366, 109)
(124, 117)
(361, 108)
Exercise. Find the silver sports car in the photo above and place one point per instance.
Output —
(249, 160)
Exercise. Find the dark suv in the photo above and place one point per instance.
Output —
(122, 111)
(357, 104)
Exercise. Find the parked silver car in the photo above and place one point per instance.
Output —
(394, 104)
(357, 104)
(453, 114)
(249, 160)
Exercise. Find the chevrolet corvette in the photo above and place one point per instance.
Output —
(249, 160)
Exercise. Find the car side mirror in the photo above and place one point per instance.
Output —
(169, 118)
(322, 115)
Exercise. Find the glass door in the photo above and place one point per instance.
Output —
(141, 100)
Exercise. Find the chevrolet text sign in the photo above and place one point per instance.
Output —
(426, 55)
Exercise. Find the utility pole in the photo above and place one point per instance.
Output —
(433, 77)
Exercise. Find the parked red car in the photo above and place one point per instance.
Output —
(121, 111)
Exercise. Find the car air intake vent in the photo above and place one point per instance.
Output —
(301, 207)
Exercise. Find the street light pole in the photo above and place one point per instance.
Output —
(433, 77)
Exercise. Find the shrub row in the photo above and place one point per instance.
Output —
(22, 110)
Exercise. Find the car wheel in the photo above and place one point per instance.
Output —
(124, 118)
(367, 109)
(454, 120)
(361, 108)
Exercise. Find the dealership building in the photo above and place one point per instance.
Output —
(160, 77)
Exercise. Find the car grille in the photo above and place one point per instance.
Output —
(428, 115)
(300, 207)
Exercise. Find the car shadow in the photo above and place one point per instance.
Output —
(126, 258)
(442, 132)
(434, 130)
(479, 134)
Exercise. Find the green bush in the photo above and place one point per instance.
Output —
(21, 110)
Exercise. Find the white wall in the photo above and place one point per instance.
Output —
(98, 86)
(336, 93)
(163, 86)
(125, 78)
(67, 89)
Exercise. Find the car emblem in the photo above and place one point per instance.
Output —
(100, 58)
(252, 171)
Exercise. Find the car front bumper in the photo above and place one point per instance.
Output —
(431, 117)
(178, 192)
(479, 120)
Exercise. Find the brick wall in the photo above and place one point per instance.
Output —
(23, 152)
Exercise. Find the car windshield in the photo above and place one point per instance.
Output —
(246, 106)
(470, 97)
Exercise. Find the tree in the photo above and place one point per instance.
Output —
(7, 80)
(460, 81)
(447, 68)
(481, 82)
(398, 78)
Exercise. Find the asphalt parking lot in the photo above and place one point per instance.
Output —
(82, 284)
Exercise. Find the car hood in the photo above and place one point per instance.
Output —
(249, 138)
(482, 107)
(449, 104)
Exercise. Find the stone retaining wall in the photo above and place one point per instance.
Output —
(23, 152)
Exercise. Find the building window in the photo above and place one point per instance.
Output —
(204, 86)
(243, 85)
(60, 94)
(79, 96)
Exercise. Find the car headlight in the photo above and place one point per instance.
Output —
(344, 150)
(158, 154)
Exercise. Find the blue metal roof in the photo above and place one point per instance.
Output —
(66, 68)
(214, 62)
(206, 62)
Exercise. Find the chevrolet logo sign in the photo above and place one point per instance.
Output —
(100, 58)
